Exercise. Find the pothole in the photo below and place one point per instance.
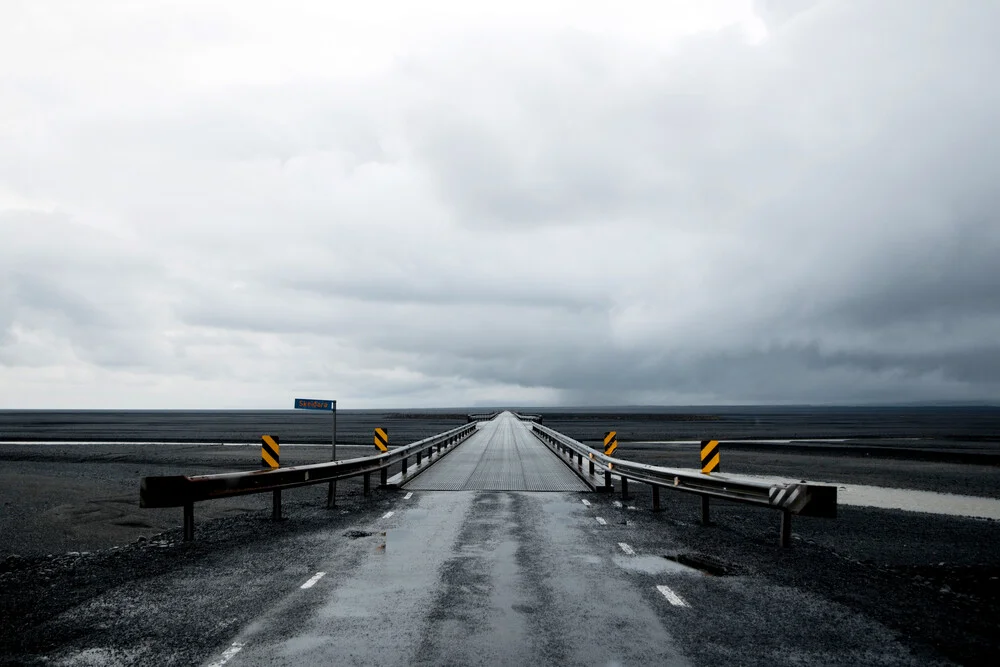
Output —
(358, 534)
(707, 564)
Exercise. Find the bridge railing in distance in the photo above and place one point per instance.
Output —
(482, 417)
(818, 500)
(184, 491)
(537, 419)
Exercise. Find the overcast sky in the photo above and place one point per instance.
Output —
(401, 204)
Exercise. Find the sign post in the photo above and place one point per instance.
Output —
(325, 405)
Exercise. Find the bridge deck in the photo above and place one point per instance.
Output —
(502, 456)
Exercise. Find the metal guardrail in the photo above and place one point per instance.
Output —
(818, 500)
(482, 417)
(184, 491)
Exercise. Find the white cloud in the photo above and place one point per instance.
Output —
(224, 204)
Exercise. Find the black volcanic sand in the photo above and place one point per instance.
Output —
(82, 498)
(64, 497)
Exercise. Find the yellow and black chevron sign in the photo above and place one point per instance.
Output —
(382, 439)
(710, 456)
(269, 451)
(610, 442)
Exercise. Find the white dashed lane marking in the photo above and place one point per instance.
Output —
(672, 598)
(408, 495)
(602, 521)
(312, 581)
(387, 515)
(228, 654)
(626, 548)
(585, 502)
(618, 503)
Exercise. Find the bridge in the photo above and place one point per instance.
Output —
(503, 455)
(494, 549)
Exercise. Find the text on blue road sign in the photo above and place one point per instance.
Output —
(313, 404)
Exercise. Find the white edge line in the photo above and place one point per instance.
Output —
(408, 495)
(626, 548)
(672, 598)
(312, 581)
(228, 654)
(585, 502)
(602, 521)
(388, 514)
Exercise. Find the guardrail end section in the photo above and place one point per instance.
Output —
(821, 501)
(167, 491)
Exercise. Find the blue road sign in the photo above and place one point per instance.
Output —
(313, 404)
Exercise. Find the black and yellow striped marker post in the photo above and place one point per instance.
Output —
(709, 456)
(382, 443)
(382, 439)
(610, 442)
(269, 451)
(709, 464)
(610, 445)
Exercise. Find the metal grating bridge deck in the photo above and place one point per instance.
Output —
(502, 456)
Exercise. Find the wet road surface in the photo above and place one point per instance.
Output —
(518, 578)
(474, 578)
(502, 456)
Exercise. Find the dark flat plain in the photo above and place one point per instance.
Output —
(955, 427)
(66, 497)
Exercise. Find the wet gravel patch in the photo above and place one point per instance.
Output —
(152, 601)
(932, 580)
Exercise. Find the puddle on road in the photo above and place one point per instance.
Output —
(590, 559)
(653, 565)
(357, 534)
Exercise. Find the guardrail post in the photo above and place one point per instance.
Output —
(591, 466)
(786, 528)
(704, 511)
(579, 459)
(368, 483)
(625, 495)
(607, 479)
(384, 477)
(188, 522)
(420, 457)
(404, 465)
(656, 498)
(276, 505)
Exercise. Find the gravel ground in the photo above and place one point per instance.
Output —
(148, 602)
(83, 498)
(932, 579)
